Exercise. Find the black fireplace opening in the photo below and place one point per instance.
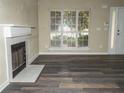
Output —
(18, 58)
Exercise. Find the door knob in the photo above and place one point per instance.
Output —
(118, 30)
(118, 34)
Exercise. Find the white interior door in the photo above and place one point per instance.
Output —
(120, 31)
(116, 30)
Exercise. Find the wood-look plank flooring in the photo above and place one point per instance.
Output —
(76, 74)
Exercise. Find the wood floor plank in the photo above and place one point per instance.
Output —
(76, 74)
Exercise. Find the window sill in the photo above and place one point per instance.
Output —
(69, 49)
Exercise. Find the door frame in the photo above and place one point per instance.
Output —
(113, 43)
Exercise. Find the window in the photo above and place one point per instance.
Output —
(69, 29)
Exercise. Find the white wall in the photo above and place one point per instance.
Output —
(18, 12)
(3, 74)
(98, 40)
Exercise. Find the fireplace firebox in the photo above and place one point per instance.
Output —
(18, 58)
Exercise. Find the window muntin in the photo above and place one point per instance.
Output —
(83, 21)
(82, 40)
(69, 39)
(69, 21)
(69, 29)
(55, 21)
(55, 38)
(83, 28)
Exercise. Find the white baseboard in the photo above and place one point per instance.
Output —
(73, 53)
(33, 58)
(3, 86)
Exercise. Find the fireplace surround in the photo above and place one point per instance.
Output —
(16, 45)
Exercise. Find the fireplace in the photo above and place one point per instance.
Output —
(18, 58)
(17, 48)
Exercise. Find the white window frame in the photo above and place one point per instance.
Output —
(69, 48)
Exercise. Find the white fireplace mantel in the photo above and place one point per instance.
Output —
(11, 30)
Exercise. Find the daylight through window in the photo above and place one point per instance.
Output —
(69, 29)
